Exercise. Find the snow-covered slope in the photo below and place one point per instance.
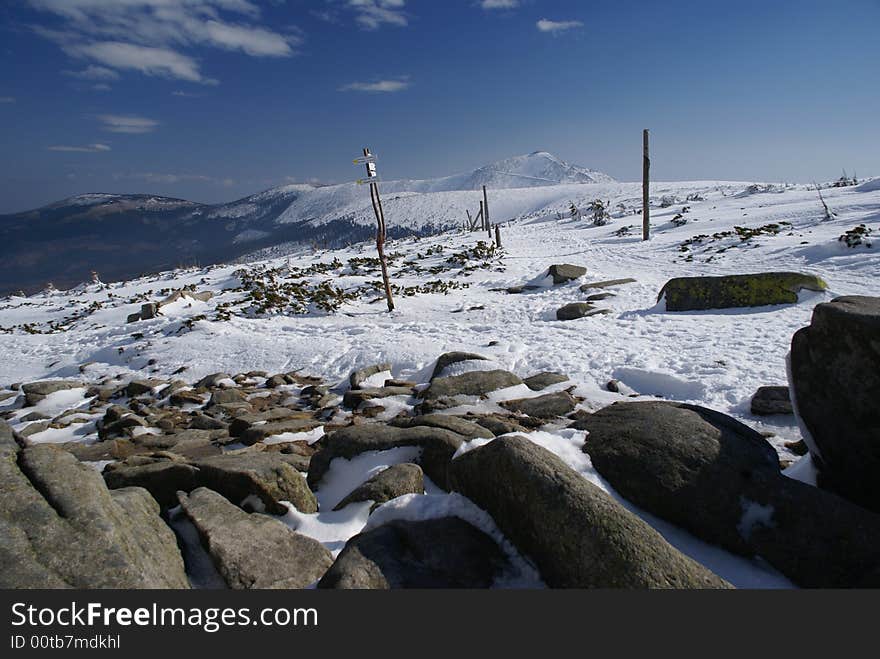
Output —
(452, 297)
(535, 169)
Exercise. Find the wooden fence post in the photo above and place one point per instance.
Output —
(646, 175)
(498, 236)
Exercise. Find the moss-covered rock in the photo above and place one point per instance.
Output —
(752, 290)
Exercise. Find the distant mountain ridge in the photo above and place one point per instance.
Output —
(124, 235)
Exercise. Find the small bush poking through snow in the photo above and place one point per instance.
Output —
(856, 236)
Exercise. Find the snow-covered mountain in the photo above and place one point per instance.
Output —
(528, 171)
(121, 236)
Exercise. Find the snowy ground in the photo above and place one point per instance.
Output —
(716, 358)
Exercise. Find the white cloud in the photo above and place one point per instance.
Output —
(184, 94)
(499, 4)
(93, 72)
(151, 61)
(90, 148)
(117, 123)
(117, 34)
(373, 14)
(7, 99)
(378, 86)
(545, 25)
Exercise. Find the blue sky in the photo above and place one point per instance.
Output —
(211, 100)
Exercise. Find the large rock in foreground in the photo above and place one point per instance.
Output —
(731, 291)
(720, 480)
(435, 553)
(60, 527)
(577, 535)
(835, 374)
(254, 550)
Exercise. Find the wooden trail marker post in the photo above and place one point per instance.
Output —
(498, 236)
(646, 175)
(372, 180)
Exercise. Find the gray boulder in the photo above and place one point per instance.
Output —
(771, 400)
(606, 284)
(576, 310)
(450, 358)
(254, 551)
(445, 392)
(357, 378)
(835, 376)
(577, 535)
(60, 527)
(463, 427)
(436, 553)
(267, 475)
(299, 422)
(541, 381)
(720, 480)
(564, 272)
(547, 406)
(353, 398)
(34, 392)
(161, 476)
(438, 446)
(732, 291)
(388, 484)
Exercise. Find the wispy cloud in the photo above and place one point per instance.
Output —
(378, 86)
(183, 94)
(89, 148)
(7, 99)
(373, 14)
(149, 35)
(93, 72)
(499, 4)
(117, 123)
(545, 25)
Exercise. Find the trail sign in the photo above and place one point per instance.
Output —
(372, 179)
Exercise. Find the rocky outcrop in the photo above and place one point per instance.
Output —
(251, 550)
(720, 480)
(436, 553)
(60, 527)
(388, 484)
(835, 375)
(162, 475)
(731, 291)
(575, 533)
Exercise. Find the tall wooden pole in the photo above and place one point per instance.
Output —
(380, 233)
(486, 208)
(646, 177)
(497, 236)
